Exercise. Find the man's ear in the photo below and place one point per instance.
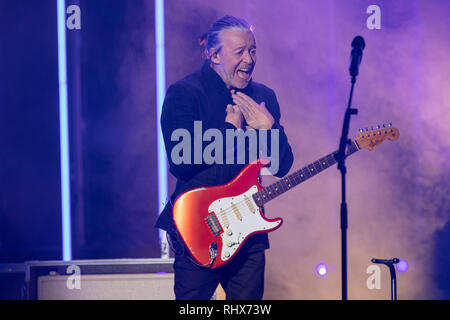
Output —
(214, 56)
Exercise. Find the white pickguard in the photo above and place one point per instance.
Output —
(237, 225)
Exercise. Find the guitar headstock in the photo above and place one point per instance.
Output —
(371, 139)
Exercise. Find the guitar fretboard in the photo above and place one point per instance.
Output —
(287, 183)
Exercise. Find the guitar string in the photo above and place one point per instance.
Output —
(229, 212)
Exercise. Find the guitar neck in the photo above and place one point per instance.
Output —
(287, 183)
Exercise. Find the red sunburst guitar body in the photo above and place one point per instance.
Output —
(214, 222)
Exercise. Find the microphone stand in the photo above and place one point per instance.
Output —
(393, 281)
(340, 157)
(390, 264)
(358, 45)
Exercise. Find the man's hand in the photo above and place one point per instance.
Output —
(234, 116)
(256, 115)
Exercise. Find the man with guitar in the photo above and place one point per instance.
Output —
(222, 96)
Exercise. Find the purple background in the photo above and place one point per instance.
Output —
(398, 194)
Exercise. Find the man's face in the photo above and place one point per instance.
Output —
(236, 57)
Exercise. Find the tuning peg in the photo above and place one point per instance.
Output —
(378, 126)
(389, 124)
(361, 130)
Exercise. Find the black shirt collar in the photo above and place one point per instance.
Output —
(214, 82)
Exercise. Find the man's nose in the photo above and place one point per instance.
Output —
(248, 57)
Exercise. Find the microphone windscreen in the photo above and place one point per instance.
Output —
(358, 43)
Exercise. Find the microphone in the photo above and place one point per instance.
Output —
(358, 46)
(383, 261)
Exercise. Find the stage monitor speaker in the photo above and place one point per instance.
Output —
(117, 279)
(107, 287)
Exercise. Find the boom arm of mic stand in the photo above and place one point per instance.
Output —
(340, 156)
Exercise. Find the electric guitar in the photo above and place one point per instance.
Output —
(214, 222)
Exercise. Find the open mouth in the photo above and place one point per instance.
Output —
(245, 73)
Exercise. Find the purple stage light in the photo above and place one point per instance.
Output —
(321, 269)
(402, 266)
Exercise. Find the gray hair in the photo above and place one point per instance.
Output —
(211, 38)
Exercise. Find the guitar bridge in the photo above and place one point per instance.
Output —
(213, 224)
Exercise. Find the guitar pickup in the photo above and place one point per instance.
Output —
(213, 224)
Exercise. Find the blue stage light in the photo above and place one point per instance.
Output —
(64, 132)
(160, 93)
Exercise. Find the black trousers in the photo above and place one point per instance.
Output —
(242, 278)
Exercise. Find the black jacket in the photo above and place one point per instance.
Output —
(203, 96)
